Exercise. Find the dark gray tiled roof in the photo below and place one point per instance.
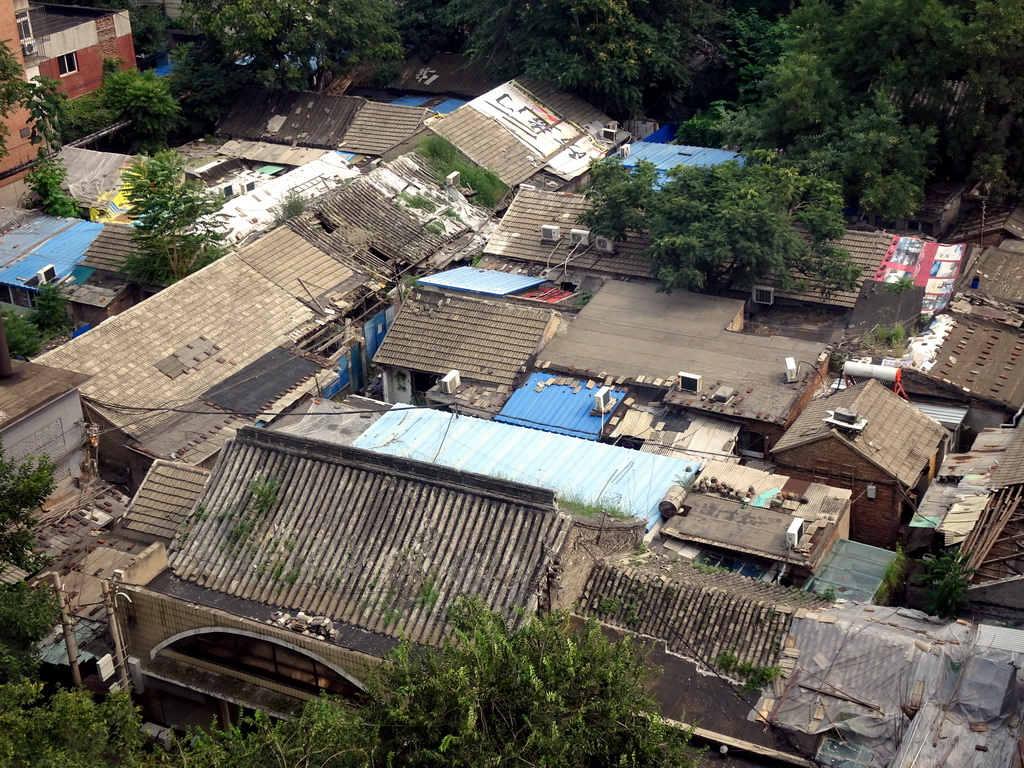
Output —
(378, 127)
(698, 615)
(379, 543)
(164, 499)
(110, 248)
(1011, 469)
(443, 73)
(298, 118)
(484, 340)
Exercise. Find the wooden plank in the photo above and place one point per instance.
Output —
(741, 745)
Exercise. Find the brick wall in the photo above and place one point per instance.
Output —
(19, 150)
(89, 76)
(872, 521)
(588, 541)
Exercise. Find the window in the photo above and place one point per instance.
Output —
(24, 26)
(26, 132)
(67, 64)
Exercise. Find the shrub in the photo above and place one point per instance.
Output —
(445, 158)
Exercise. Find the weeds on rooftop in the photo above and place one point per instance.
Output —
(445, 158)
(577, 506)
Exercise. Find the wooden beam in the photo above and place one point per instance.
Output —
(741, 745)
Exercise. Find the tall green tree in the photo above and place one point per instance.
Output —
(205, 81)
(298, 44)
(51, 313)
(177, 226)
(946, 580)
(27, 614)
(12, 90)
(24, 485)
(725, 226)
(623, 57)
(23, 338)
(146, 99)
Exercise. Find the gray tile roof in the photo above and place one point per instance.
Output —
(379, 543)
(301, 268)
(897, 438)
(484, 340)
(110, 248)
(443, 73)
(867, 249)
(1011, 470)
(214, 323)
(518, 237)
(297, 118)
(164, 499)
(698, 615)
(378, 127)
(1001, 272)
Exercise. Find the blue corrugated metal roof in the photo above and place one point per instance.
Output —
(581, 470)
(556, 408)
(493, 282)
(668, 156)
(448, 106)
(663, 135)
(411, 101)
(41, 242)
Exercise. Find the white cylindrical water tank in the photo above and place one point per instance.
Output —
(870, 371)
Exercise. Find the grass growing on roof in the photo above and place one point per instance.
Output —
(446, 158)
(577, 506)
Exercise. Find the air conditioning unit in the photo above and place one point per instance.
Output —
(625, 150)
(579, 236)
(453, 179)
(549, 233)
(612, 125)
(609, 134)
(46, 275)
(791, 370)
(605, 244)
(688, 382)
(451, 382)
(763, 295)
(603, 401)
(28, 47)
(793, 533)
(250, 186)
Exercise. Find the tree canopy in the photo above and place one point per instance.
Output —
(624, 57)
(729, 225)
(299, 44)
(177, 228)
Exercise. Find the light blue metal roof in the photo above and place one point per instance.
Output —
(411, 101)
(581, 470)
(448, 106)
(945, 415)
(41, 242)
(668, 156)
(556, 408)
(493, 282)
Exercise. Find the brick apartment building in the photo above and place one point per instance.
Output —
(63, 42)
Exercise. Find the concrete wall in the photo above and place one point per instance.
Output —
(56, 431)
(397, 385)
(1002, 599)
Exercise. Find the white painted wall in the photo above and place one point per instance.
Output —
(55, 430)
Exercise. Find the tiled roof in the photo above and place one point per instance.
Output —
(379, 127)
(290, 117)
(1011, 470)
(1001, 272)
(866, 249)
(518, 237)
(173, 347)
(487, 144)
(164, 499)
(897, 438)
(110, 248)
(567, 106)
(698, 615)
(382, 544)
(32, 386)
(299, 267)
(443, 73)
(983, 360)
(1009, 222)
(485, 341)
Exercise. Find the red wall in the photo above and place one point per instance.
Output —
(89, 76)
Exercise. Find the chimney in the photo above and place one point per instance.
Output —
(6, 366)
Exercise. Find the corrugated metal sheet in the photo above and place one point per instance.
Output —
(411, 101)
(53, 650)
(42, 242)
(1001, 638)
(946, 416)
(668, 156)
(562, 408)
(582, 470)
(492, 282)
(448, 106)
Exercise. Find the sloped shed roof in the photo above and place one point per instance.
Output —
(897, 438)
(290, 117)
(360, 538)
(162, 503)
(378, 127)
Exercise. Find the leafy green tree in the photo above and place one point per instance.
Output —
(22, 336)
(27, 614)
(427, 27)
(51, 313)
(946, 580)
(24, 486)
(46, 180)
(12, 90)
(727, 225)
(176, 223)
(146, 99)
(297, 44)
(205, 81)
(45, 104)
(86, 114)
(68, 730)
(623, 57)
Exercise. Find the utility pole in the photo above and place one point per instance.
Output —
(69, 631)
(115, 631)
